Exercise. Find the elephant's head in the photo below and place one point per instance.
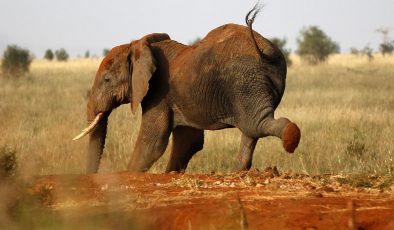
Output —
(122, 78)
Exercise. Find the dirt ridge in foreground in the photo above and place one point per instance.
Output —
(253, 200)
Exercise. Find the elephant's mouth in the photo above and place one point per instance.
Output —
(90, 127)
(114, 103)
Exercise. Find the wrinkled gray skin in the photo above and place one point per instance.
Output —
(221, 82)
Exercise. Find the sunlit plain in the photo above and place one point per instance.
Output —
(344, 108)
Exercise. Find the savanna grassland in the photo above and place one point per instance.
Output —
(345, 110)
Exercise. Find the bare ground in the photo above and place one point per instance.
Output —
(253, 200)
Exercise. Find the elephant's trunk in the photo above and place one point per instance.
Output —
(96, 145)
(97, 131)
(97, 136)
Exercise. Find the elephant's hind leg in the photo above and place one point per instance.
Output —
(152, 138)
(186, 142)
(245, 155)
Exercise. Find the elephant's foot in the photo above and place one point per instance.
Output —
(291, 137)
(245, 155)
(186, 142)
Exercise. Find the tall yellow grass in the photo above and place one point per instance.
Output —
(345, 109)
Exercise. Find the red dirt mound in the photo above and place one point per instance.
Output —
(253, 200)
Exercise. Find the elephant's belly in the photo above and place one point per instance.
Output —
(218, 126)
(199, 120)
(196, 125)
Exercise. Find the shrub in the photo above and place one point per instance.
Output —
(368, 51)
(16, 61)
(281, 43)
(7, 162)
(386, 48)
(87, 54)
(49, 55)
(356, 147)
(61, 55)
(314, 46)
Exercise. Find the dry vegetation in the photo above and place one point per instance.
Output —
(344, 108)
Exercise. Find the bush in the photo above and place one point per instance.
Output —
(16, 61)
(87, 54)
(7, 162)
(105, 52)
(49, 55)
(368, 51)
(281, 43)
(61, 55)
(386, 48)
(314, 46)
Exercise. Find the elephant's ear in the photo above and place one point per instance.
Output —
(143, 69)
(144, 66)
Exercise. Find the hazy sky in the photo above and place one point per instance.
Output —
(80, 25)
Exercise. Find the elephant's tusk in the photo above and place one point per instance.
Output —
(90, 127)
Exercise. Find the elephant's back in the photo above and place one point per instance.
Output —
(235, 39)
(228, 53)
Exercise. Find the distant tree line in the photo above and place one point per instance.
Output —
(385, 48)
(314, 46)
(60, 55)
(366, 51)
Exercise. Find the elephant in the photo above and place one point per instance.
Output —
(232, 78)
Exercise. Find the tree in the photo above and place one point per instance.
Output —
(16, 61)
(281, 43)
(368, 51)
(195, 41)
(61, 55)
(105, 52)
(386, 48)
(49, 55)
(385, 33)
(87, 54)
(314, 46)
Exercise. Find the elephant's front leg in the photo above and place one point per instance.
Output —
(245, 155)
(152, 138)
(186, 142)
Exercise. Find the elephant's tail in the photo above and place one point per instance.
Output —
(249, 19)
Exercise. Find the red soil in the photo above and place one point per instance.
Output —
(254, 200)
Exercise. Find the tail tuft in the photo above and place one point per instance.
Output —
(256, 9)
(249, 19)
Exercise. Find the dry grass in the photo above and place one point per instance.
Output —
(344, 108)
